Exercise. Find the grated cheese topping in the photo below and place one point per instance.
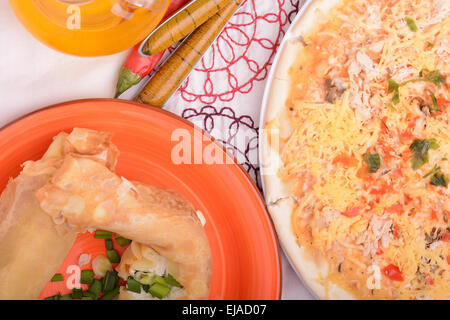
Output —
(362, 202)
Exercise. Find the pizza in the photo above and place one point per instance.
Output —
(357, 133)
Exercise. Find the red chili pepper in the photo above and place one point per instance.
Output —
(395, 232)
(137, 67)
(384, 188)
(446, 237)
(406, 135)
(398, 173)
(412, 123)
(388, 153)
(396, 208)
(351, 212)
(442, 102)
(122, 282)
(408, 199)
(434, 215)
(345, 160)
(392, 272)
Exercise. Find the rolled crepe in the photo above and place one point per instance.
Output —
(89, 195)
(32, 250)
(75, 184)
(33, 244)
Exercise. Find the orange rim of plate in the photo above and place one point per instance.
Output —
(245, 249)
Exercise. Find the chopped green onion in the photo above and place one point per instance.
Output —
(77, 293)
(88, 294)
(435, 105)
(159, 279)
(391, 106)
(145, 278)
(110, 281)
(96, 288)
(411, 24)
(433, 171)
(87, 277)
(113, 256)
(102, 234)
(172, 281)
(56, 297)
(57, 277)
(122, 241)
(393, 86)
(417, 162)
(66, 297)
(435, 77)
(396, 97)
(111, 294)
(439, 180)
(373, 161)
(133, 285)
(101, 264)
(158, 290)
(109, 244)
(420, 149)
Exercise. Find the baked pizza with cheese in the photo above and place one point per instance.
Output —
(357, 117)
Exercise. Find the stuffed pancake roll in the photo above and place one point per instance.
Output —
(87, 194)
(32, 249)
(34, 244)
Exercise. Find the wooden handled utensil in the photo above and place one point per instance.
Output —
(181, 24)
(172, 73)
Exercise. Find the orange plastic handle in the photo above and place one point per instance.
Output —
(181, 25)
(169, 77)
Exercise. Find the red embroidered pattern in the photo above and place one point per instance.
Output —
(240, 48)
(241, 56)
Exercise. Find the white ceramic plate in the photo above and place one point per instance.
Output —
(311, 14)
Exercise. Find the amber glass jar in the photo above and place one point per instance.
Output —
(90, 27)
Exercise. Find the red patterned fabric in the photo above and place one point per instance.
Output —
(223, 93)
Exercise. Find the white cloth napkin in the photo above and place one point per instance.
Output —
(33, 76)
(223, 95)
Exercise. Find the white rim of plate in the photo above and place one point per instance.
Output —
(262, 120)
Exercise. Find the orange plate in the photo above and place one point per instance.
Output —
(246, 261)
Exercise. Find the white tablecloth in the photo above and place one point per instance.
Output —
(223, 93)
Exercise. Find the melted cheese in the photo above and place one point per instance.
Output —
(340, 109)
(328, 130)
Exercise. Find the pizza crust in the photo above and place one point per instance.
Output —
(278, 197)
